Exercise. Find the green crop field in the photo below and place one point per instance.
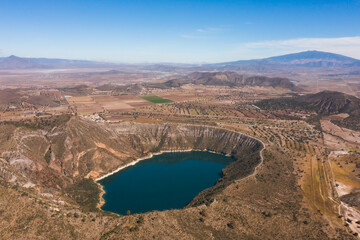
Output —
(156, 99)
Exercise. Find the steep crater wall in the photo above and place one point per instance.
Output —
(79, 149)
(177, 137)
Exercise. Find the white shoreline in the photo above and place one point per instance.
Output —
(102, 191)
(143, 158)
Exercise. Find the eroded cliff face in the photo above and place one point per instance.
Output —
(154, 138)
(78, 149)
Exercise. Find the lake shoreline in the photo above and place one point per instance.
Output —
(101, 187)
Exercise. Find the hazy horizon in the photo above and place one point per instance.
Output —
(190, 63)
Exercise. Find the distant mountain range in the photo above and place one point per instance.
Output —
(14, 62)
(308, 59)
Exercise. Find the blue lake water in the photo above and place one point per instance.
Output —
(165, 181)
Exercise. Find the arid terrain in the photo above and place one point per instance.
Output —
(297, 151)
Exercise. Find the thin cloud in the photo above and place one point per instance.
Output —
(213, 29)
(202, 33)
(349, 46)
(208, 30)
(193, 36)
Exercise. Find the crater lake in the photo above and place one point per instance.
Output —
(166, 181)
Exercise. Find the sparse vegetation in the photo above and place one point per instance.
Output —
(85, 193)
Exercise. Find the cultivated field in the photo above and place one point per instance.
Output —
(105, 103)
(155, 99)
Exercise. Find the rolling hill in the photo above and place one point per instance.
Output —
(324, 103)
(226, 78)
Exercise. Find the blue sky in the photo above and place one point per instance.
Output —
(177, 31)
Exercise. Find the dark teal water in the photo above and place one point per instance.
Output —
(166, 181)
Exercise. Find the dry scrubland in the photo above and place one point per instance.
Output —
(303, 189)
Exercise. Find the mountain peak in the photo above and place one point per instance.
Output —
(312, 55)
(305, 59)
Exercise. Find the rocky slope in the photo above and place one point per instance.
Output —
(61, 156)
